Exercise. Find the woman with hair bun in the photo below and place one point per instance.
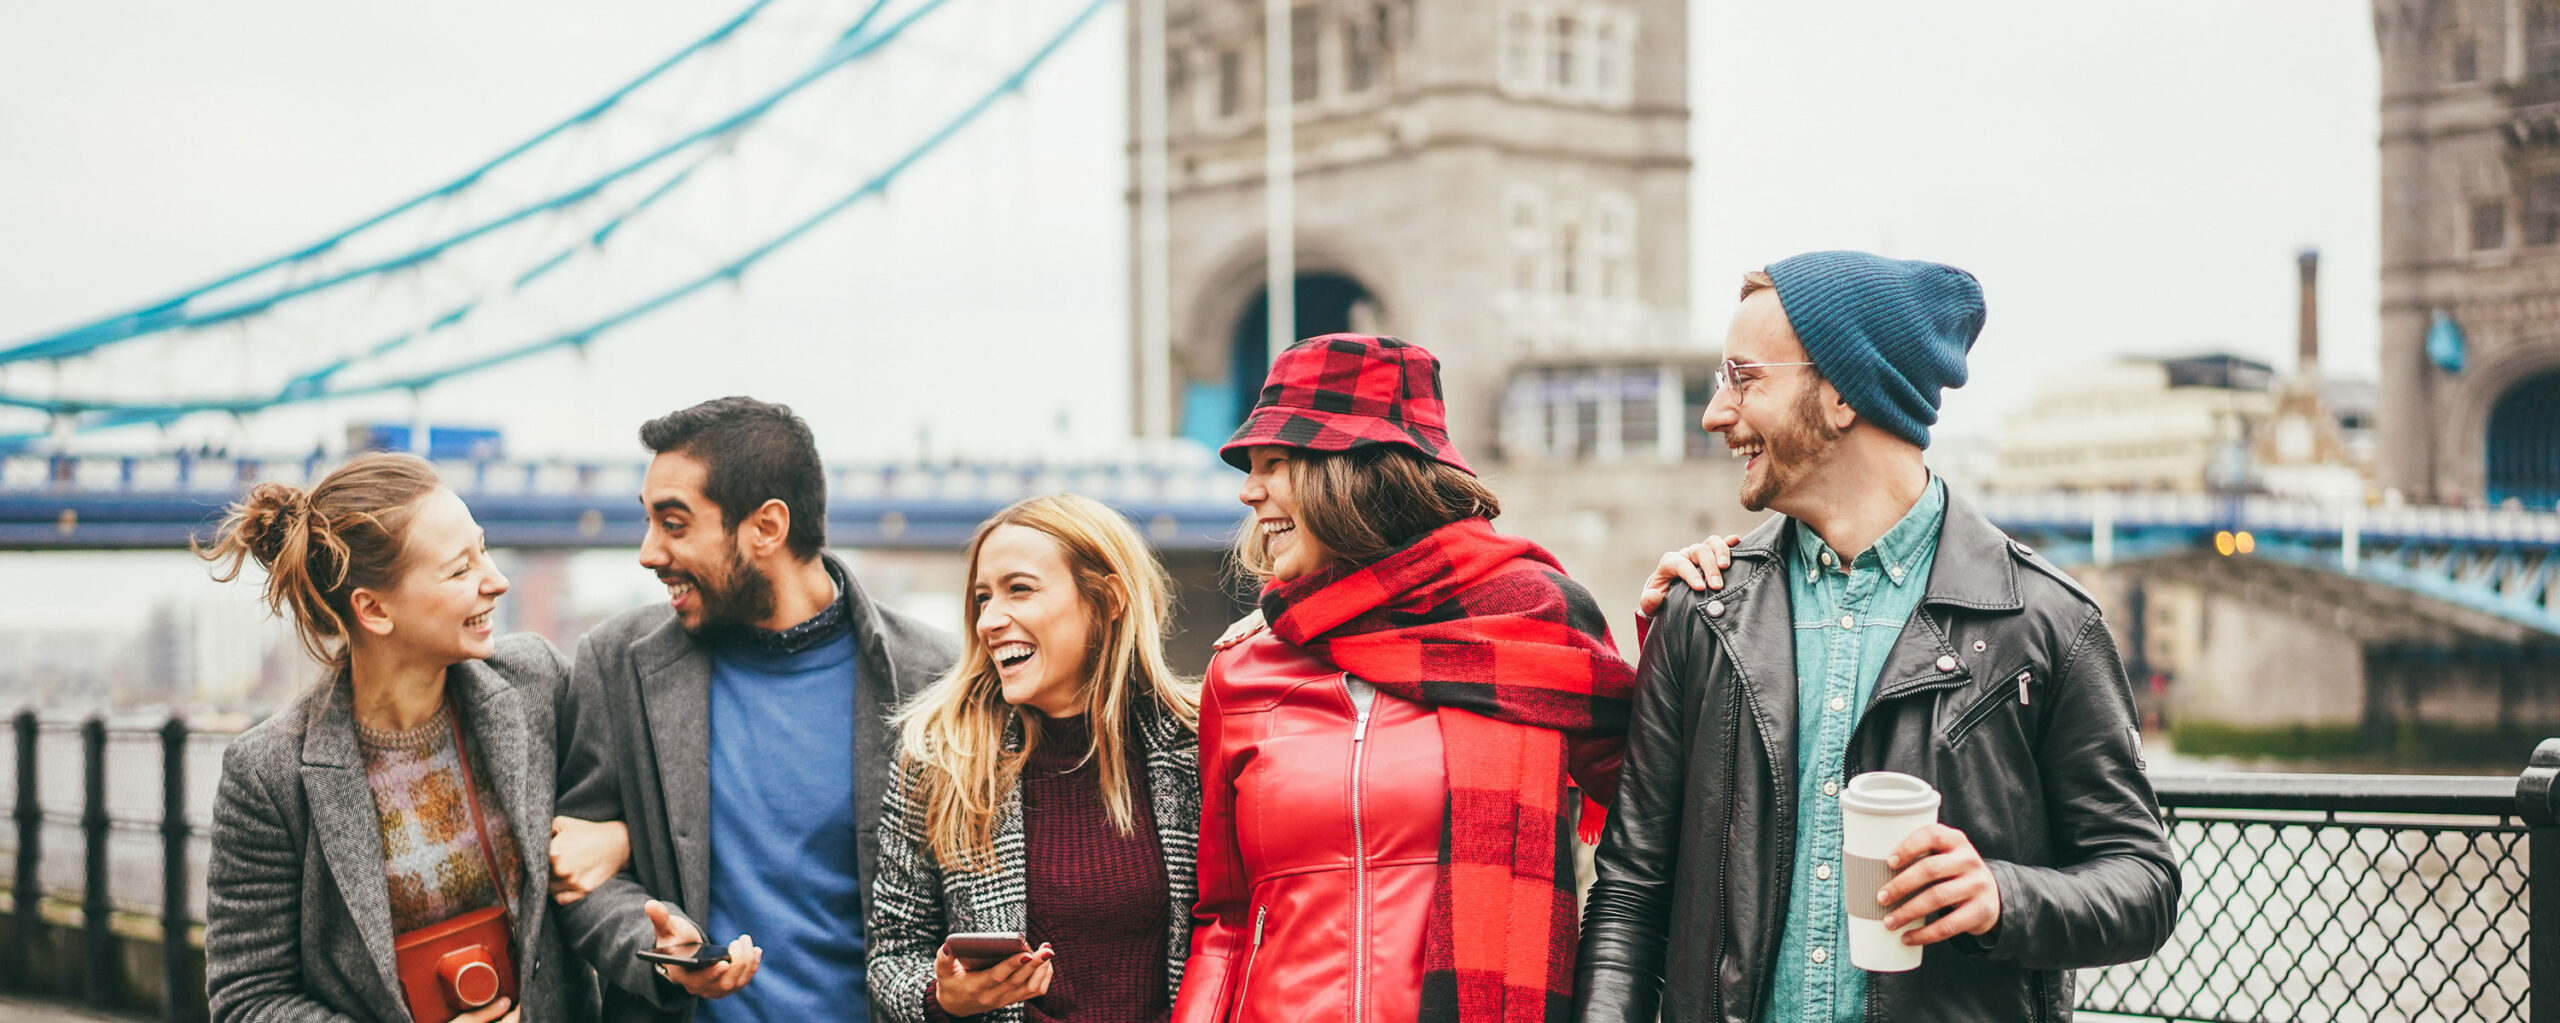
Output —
(406, 796)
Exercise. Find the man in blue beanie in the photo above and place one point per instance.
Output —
(1878, 623)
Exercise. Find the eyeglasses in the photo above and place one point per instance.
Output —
(1725, 372)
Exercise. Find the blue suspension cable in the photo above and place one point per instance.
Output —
(167, 317)
(105, 414)
(164, 313)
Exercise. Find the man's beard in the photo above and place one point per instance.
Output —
(742, 600)
(1792, 452)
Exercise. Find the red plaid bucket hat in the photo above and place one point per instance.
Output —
(1343, 391)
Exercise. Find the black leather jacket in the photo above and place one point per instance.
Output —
(2044, 776)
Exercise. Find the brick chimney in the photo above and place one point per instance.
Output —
(2307, 352)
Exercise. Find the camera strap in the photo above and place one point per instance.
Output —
(471, 796)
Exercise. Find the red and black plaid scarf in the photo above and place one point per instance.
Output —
(1487, 630)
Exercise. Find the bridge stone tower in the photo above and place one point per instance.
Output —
(2470, 401)
(1495, 180)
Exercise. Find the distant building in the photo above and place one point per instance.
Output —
(208, 649)
(2213, 422)
(2139, 424)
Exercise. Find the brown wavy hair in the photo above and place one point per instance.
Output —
(1364, 503)
(319, 545)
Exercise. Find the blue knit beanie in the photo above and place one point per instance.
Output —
(1889, 333)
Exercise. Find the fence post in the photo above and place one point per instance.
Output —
(176, 980)
(2538, 802)
(94, 907)
(25, 892)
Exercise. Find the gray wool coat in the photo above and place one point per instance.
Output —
(297, 915)
(915, 902)
(638, 717)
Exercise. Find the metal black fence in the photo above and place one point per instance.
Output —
(2306, 897)
(100, 956)
(2354, 898)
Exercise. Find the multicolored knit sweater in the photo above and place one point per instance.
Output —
(430, 851)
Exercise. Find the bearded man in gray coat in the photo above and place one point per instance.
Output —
(741, 730)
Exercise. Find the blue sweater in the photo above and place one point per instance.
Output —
(783, 867)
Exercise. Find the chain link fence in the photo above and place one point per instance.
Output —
(2360, 899)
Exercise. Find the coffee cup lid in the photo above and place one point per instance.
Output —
(1888, 792)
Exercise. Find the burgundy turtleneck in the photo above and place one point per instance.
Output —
(1097, 897)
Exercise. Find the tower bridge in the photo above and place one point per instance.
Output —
(1505, 183)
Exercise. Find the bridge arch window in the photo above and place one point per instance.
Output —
(2524, 444)
(1327, 303)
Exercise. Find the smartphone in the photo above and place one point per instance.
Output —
(690, 955)
(987, 948)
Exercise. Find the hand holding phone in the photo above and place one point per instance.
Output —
(689, 954)
(725, 970)
(1015, 976)
(981, 949)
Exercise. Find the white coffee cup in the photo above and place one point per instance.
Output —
(1877, 811)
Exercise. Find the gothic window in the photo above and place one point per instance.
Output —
(2542, 37)
(1613, 223)
(1608, 72)
(1230, 83)
(1586, 420)
(2466, 58)
(2488, 225)
(1568, 258)
(1525, 219)
(1575, 52)
(1360, 53)
(2542, 210)
(1519, 51)
(1304, 74)
(1564, 54)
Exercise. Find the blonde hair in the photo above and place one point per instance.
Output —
(348, 531)
(955, 729)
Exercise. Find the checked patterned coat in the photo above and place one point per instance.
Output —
(915, 903)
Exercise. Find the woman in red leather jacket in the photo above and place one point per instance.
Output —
(1383, 746)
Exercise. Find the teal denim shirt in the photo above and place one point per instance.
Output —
(1846, 618)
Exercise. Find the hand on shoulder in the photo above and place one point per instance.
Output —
(1242, 630)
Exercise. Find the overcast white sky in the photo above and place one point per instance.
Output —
(2123, 178)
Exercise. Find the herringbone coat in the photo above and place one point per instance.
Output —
(915, 903)
(297, 915)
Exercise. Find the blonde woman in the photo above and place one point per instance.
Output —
(1048, 784)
